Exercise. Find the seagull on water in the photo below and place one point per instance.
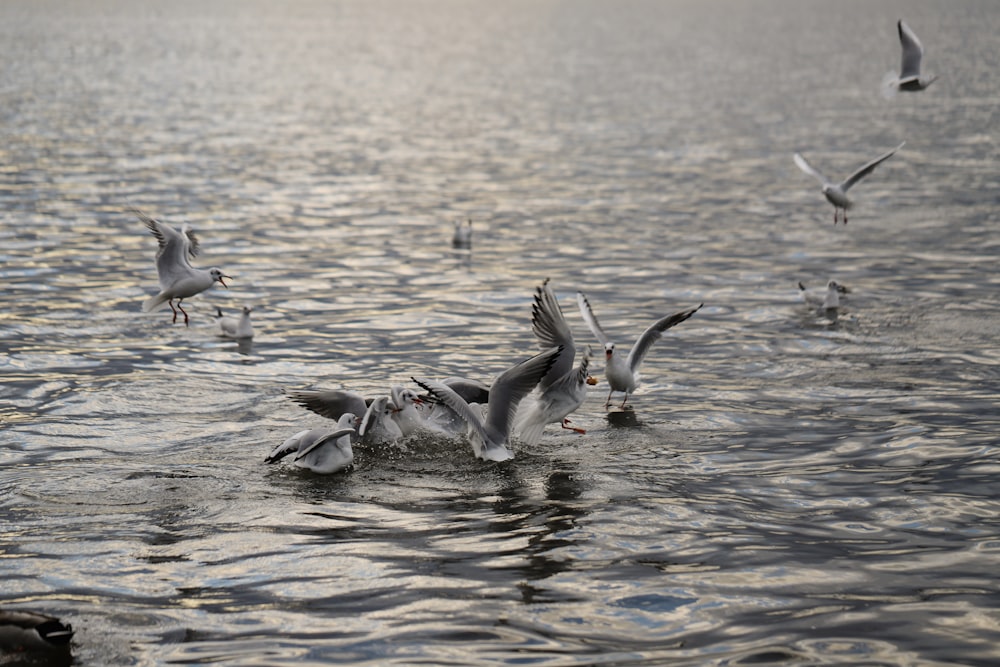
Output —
(178, 279)
(623, 373)
(827, 299)
(235, 327)
(489, 437)
(836, 193)
(322, 450)
(909, 79)
(462, 238)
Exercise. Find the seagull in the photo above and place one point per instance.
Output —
(401, 403)
(836, 193)
(178, 279)
(406, 409)
(490, 436)
(378, 426)
(462, 238)
(827, 299)
(232, 327)
(909, 79)
(622, 374)
(559, 400)
(564, 388)
(31, 631)
(441, 418)
(321, 450)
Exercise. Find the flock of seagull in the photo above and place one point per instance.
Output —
(490, 417)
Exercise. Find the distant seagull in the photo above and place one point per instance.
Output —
(321, 450)
(23, 631)
(233, 327)
(623, 374)
(490, 436)
(178, 279)
(462, 238)
(564, 388)
(827, 299)
(909, 79)
(836, 193)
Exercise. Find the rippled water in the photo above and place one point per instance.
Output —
(795, 490)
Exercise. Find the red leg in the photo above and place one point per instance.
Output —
(608, 402)
(571, 428)
(183, 311)
(173, 310)
(625, 401)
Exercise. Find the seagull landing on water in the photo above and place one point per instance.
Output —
(836, 193)
(564, 388)
(178, 279)
(489, 437)
(623, 373)
(909, 79)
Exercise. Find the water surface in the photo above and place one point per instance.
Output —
(794, 490)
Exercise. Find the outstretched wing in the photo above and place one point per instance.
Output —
(511, 387)
(331, 404)
(550, 327)
(588, 316)
(868, 168)
(913, 51)
(654, 333)
(801, 163)
(447, 396)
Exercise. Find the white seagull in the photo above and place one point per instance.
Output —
(406, 409)
(836, 193)
(564, 388)
(378, 426)
(178, 279)
(321, 450)
(909, 79)
(235, 327)
(826, 299)
(623, 374)
(489, 437)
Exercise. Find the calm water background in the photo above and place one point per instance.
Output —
(796, 491)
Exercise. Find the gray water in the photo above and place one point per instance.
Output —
(795, 490)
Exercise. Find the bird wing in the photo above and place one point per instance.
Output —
(174, 252)
(654, 333)
(801, 163)
(550, 327)
(588, 316)
(913, 51)
(868, 168)
(332, 436)
(513, 385)
(447, 395)
(330, 404)
(287, 447)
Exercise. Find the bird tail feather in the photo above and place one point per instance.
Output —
(154, 302)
